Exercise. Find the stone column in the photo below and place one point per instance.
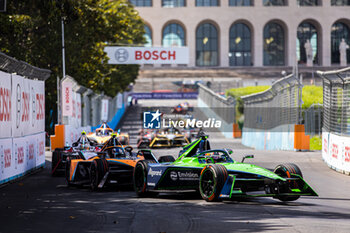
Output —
(326, 44)
(290, 41)
(258, 44)
(224, 45)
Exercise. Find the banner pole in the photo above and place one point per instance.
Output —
(58, 101)
(63, 52)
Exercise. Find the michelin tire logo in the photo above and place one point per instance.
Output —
(151, 120)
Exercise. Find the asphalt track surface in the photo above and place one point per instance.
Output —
(41, 203)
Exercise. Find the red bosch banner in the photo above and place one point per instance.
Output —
(147, 55)
(20, 155)
(27, 106)
(5, 105)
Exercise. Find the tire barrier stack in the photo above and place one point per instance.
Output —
(271, 117)
(336, 119)
(216, 106)
(22, 118)
(84, 110)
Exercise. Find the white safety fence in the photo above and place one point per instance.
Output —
(336, 151)
(84, 110)
(213, 105)
(22, 125)
(81, 107)
(336, 119)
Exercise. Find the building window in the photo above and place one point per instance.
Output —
(173, 36)
(274, 45)
(339, 31)
(309, 3)
(207, 45)
(207, 3)
(173, 3)
(148, 36)
(240, 45)
(305, 32)
(275, 2)
(141, 2)
(241, 3)
(340, 2)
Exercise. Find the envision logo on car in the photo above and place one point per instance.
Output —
(154, 173)
(186, 175)
(173, 175)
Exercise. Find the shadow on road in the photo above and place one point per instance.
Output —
(44, 203)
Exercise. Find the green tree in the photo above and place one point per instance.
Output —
(31, 31)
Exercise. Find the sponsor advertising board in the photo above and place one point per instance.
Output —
(27, 106)
(336, 151)
(104, 110)
(147, 55)
(66, 97)
(168, 95)
(5, 105)
(21, 155)
(22, 125)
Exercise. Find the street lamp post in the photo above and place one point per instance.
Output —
(59, 116)
(63, 53)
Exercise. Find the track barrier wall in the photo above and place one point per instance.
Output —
(22, 118)
(84, 110)
(218, 107)
(271, 117)
(336, 119)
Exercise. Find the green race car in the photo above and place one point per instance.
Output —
(217, 176)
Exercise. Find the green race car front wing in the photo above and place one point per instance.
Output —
(273, 189)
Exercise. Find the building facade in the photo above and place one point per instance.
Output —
(250, 33)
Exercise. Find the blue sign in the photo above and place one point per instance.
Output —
(151, 120)
(166, 95)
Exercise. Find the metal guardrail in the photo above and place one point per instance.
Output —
(225, 108)
(12, 65)
(91, 105)
(313, 117)
(336, 101)
(279, 105)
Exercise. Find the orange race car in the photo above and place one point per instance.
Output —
(114, 164)
(103, 134)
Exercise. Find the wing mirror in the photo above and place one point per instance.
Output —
(75, 144)
(247, 157)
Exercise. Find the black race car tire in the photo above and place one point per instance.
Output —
(98, 169)
(67, 175)
(55, 160)
(166, 159)
(284, 170)
(211, 182)
(140, 178)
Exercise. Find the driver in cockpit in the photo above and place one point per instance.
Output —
(83, 143)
